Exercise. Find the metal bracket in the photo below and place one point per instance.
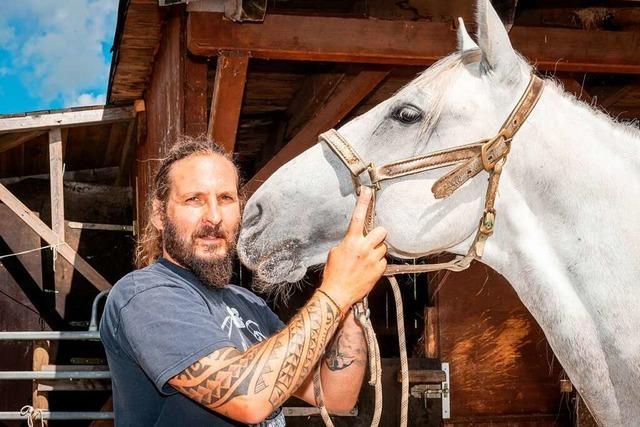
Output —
(435, 391)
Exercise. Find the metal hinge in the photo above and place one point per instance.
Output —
(435, 391)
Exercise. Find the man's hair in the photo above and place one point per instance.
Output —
(149, 246)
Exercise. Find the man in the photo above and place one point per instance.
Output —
(186, 348)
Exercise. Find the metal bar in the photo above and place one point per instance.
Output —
(93, 325)
(95, 226)
(46, 415)
(50, 335)
(52, 375)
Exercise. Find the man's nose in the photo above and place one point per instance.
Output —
(212, 213)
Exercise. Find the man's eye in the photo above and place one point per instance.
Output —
(407, 114)
(193, 199)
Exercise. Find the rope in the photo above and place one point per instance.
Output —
(53, 248)
(404, 363)
(361, 311)
(32, 414)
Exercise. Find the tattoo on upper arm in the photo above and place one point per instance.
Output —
(276, 366)
(336, 358)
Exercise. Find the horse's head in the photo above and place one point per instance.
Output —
(303, 209)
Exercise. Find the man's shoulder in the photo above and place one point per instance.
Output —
(154, 277)
(245, 294)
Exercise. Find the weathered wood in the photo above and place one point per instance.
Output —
(345, 100)
(431, 333)
(95, 226)
(424, 376)
(315, 91)
(56, 183)
(40, 358)
(127, 154)
(401, 42)
(7, 142)
(195, 96)
(63, 118)
(493, 344)
(50, 237)
(228, 90)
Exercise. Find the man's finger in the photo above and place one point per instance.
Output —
(356, 226)
(377, 236)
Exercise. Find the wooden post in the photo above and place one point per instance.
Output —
(228, 90)
(51, 238)
(40, 358)
(57, 192)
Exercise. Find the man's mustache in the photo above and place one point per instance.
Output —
(210, 231)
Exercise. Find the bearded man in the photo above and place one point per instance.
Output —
(185, 347)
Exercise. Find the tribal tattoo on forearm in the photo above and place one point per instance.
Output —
(275, 367)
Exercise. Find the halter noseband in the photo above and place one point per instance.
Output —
(489, 155)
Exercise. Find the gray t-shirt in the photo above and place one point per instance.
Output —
(161, 319)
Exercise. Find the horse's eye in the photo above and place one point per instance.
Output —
(407, 114)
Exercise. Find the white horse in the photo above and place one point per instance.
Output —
(567, 233)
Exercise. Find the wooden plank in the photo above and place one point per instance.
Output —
(96, 226)
(86, 116)
(308, 38)
(55, 172)
(228, 90)
(431, 333)
(40, 358)
(127, 154)
(345, 100)
(424, 376)
(195, 96)
(7, 142)
(51, 238)
(576, 88)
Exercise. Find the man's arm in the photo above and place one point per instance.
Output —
(248, 386)
(343, 369)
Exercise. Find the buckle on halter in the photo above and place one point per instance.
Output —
(490, 158)
(488, 222)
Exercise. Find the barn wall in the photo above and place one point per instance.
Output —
(500, 362)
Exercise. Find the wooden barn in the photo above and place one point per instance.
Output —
(264, 78)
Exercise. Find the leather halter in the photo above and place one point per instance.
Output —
(488, 154)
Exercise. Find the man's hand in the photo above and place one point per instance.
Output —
(355, 265)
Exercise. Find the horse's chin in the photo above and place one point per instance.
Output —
(275, 266)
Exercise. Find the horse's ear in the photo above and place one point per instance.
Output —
(465, 42)
(498, 54)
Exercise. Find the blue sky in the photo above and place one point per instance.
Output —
(54, 53)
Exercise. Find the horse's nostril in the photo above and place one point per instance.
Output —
(252, 214)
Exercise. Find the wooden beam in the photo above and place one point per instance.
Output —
(615, 97)
(50, 237)
(228, 90)
(313, 38)
(195, 95)
(345, 100)
(57, 191)
(62, 118)
(7, 142)
(315, 91)
(128, 150)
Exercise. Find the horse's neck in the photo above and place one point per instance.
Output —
(569, 199)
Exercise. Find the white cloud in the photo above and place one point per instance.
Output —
(85, 99)
(4, 71)
(62, 56)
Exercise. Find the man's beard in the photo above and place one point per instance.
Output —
(213, 272)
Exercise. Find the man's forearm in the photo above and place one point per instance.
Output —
(344, 365)
(269, 371)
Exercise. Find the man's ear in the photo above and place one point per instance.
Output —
(156, 215)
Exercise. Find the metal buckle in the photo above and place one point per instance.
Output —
(490, 163)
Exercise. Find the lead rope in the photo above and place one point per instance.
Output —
(31, 414)
(404, 362)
